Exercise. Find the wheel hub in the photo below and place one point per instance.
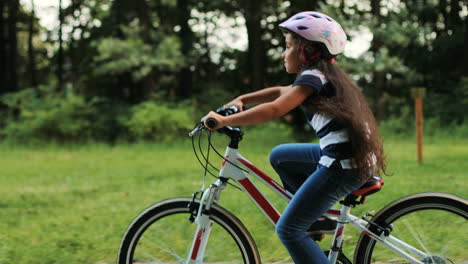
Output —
(436, 260)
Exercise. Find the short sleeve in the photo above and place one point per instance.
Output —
(312, 78)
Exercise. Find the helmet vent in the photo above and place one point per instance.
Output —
(329, 19)
(302, 28)
(299, 17)
(315, 15)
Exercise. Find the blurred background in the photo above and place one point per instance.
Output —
(78, 70)
(97, 98)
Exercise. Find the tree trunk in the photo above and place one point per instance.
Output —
(117, 14)
(304, 5)
(465, 52)
(143, 12)
(375, 9)
(12, 51)
(378, 82)
(455, 19)
(144, 16)
(186, 38)
(73, 55)
(443, 10)
(3, 46)
(31, 59)
(60, 51)
(252, 13)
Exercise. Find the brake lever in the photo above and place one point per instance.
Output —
(196, 130)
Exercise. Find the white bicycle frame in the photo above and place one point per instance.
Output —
(230, 170)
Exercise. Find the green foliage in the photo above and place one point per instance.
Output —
(106, 120)
(463, 92)
(71, 117)
(123, 54)
(45, 117)
(132, 55)
(158, 121)
(449, 104)
(412, 45)
(171, 3)
(399, 125)
(212, 96)
(434, 128)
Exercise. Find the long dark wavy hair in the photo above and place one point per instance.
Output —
(346, 103)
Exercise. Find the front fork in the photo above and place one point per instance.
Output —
(201, 216)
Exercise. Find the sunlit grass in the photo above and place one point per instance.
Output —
(72, 204)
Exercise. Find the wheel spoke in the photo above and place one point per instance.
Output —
(417, 237)
(179, 258)
(152, 257)
(162, 234)
(435, 223)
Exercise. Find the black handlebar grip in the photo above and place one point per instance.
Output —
(211, 123)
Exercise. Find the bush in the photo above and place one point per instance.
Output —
(71, 117)
(403, 124)
(433, 127)
(45, 117)
(107, 124)
(158, 121)
(211, 97)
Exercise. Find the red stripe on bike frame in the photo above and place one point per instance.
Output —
(266, 178)
(196, 247)
(339, 233)
(373, 236)
(261, 201)
(224, 161)
(334, 212)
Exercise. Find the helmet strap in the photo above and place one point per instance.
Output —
(316, 56)
(302, 56)
(313, 58)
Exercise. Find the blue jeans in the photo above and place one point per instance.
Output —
(316, 189)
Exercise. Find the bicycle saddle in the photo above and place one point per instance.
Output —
(370, 187)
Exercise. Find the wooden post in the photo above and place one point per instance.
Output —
(418, 95)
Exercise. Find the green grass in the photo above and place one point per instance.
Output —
(72, 204)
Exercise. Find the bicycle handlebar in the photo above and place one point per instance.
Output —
(225, 111)
(211, 123)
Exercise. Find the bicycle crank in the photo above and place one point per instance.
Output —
(436, 260)
(342, 259)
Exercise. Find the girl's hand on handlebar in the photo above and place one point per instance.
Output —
(218, 118)
(237, 103)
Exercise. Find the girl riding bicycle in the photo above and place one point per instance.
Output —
(350, 149)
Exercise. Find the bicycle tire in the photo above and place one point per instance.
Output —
(168, 220)
(419, 220)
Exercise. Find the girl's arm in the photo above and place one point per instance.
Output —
(265, 112)
(259, 97)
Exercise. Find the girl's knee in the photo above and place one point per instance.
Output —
(282, 232)
(276, 154)
(287, 232)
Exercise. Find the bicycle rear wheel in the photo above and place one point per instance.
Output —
(164, 234)
(435, 223)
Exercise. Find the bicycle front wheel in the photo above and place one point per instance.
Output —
(163, 233)
(434, 223)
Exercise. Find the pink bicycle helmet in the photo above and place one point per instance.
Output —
(315, 26)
